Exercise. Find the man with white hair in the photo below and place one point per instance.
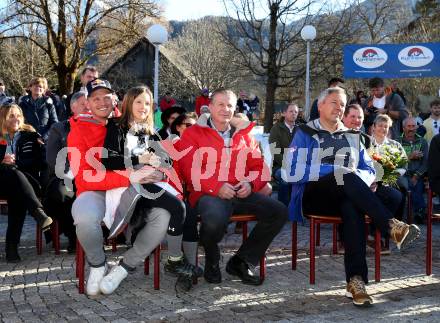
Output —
(331, 174)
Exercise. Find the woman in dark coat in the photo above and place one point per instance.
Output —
(22, 158)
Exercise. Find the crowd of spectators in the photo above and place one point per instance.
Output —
(157, 180)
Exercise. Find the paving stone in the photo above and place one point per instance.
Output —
(44, 288)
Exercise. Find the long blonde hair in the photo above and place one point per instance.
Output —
(127, 109)
(5, 111)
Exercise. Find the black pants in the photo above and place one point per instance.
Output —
(351, 201)
(215, 213)
(190, 232)
(168, 202)
(390, 197)
(58, 205)
(20, 194)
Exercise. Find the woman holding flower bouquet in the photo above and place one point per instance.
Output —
(389, 156)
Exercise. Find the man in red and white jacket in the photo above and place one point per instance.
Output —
(224, 170)
(85, 143)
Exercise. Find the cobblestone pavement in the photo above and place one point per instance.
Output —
(44, 288)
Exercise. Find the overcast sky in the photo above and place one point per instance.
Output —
(192, 9)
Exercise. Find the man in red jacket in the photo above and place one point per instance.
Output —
(85, 142)
(167, 102)
(223, 169)
(202, 100)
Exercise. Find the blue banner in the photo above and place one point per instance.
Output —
(392, 60)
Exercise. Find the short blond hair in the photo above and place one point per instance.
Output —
(39, 80)
(383, 118)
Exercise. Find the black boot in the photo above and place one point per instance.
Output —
(12, 253)
(71, 247)
(42, 219)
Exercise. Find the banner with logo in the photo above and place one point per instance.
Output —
(392, 60)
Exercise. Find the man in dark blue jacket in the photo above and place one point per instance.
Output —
(331, 174)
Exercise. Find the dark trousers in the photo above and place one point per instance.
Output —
(58, 205)
(190, 232)
(20, 194)
(168, 202)
(351, 201)
(215, 213)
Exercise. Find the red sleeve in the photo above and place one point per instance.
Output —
(198, 106)
(255, 162)
(190, 169)
(162, 105)
(91, 177)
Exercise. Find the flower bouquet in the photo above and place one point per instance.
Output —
(389, 164)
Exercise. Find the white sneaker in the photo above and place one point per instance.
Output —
(95, 276)
(110, 282)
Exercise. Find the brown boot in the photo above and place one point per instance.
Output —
(356, 291)
(403, 234)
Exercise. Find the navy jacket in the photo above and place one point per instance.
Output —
(40, 114)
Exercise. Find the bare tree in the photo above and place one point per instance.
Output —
(71, 32)
(204, 54)
(270, 44)
(378, 20)
(20, 60)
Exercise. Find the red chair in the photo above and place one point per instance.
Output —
(54, 229)
(80, 265)
(39, 235)
(315, 221)
(430, 218)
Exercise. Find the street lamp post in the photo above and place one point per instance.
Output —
(308, 33)
(157, 35)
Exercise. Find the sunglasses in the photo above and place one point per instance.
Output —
(188, 124)
(435, 124)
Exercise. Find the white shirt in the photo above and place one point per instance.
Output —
(379, 102)
(289, 127)
(435, 126)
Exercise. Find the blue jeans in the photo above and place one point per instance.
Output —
(417, 200)
(283, 188)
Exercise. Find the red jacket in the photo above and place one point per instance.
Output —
(164, 104)
(208, 164)
(201, 100)
(87, 136)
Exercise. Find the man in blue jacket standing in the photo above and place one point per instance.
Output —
(329, 163)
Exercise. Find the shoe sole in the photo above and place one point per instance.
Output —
(364, 304)
(213, 281)
(234, 273)
(412, 234)
(46, 224)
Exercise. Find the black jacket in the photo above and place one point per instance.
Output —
(57, 140)
(40, 114)
(29, 154)
(434, 164)
(282, 137)
(117, 153)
